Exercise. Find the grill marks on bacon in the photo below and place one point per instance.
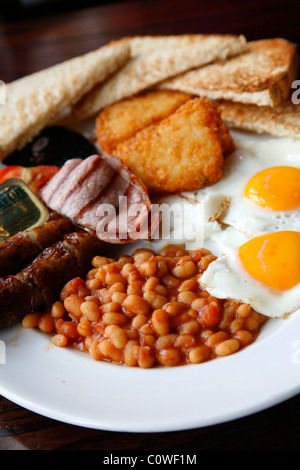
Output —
(81, 188)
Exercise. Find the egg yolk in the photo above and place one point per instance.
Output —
(273, 259)
(276, 188)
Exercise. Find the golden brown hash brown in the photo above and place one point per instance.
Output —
(182, 152)
(122, 120)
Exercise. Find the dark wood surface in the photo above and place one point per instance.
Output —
(32, 44)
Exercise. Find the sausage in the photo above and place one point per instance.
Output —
(39, 284)
(21, 249)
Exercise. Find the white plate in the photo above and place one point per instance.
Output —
(69, 386)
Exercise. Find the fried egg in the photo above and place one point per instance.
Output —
(262, 271)
(258, 241)
(261, 183)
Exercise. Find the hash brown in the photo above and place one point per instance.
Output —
(182, 152)
(122, 120)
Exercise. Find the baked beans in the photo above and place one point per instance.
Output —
(148, 310)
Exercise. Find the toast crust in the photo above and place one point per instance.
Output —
(262, 75)
(282, 120)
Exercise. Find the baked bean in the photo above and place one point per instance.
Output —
(99, 261)
(243, 310)
(47, 323)
(84, 327)
(155, 300)
(118, 297)
(187, 297)
(72, 304)
(114, 318)
(166, 341)
(236, 324)
(196, 254)
(205, 262)
(185, 342)
(60, 340)
(146, 329)
(117, 336)
(94, 283)
(148, 309)
(189, 328)
(125, 259)
(173, 250)
(227, 347)
(67, 328)
(93, 298)
(132, 334)
(177, 320)
(136, 304)
(185, 269)
(110, 307)
(169, 357)
(90, 310)
(146, 357)
(173, 308)
(160, 322)
(94, 351)
(142, 254)
(92, 273)
(170, 281)
(138, 321)
(252, 321)
(134, 276)
(148, 340)
(112, 278)
(162, 267)
(58, 310)
(74, 286)
(210, 315)
(159, 289)
(104, 295)
(108, 350)
(148, 268)
(99, 327)
(151, 283)
(199, 354)
(188, 285)
(244, 337)
(117, 287)
(136, 288)
(216, 338)
(31, 320)
(127, 269)
(131, 353)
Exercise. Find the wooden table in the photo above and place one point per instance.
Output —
(30, 45)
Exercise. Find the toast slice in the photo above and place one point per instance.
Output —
(182, 152)
(282, 120)
(156, 58)
(32, 101)
(262, 75)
